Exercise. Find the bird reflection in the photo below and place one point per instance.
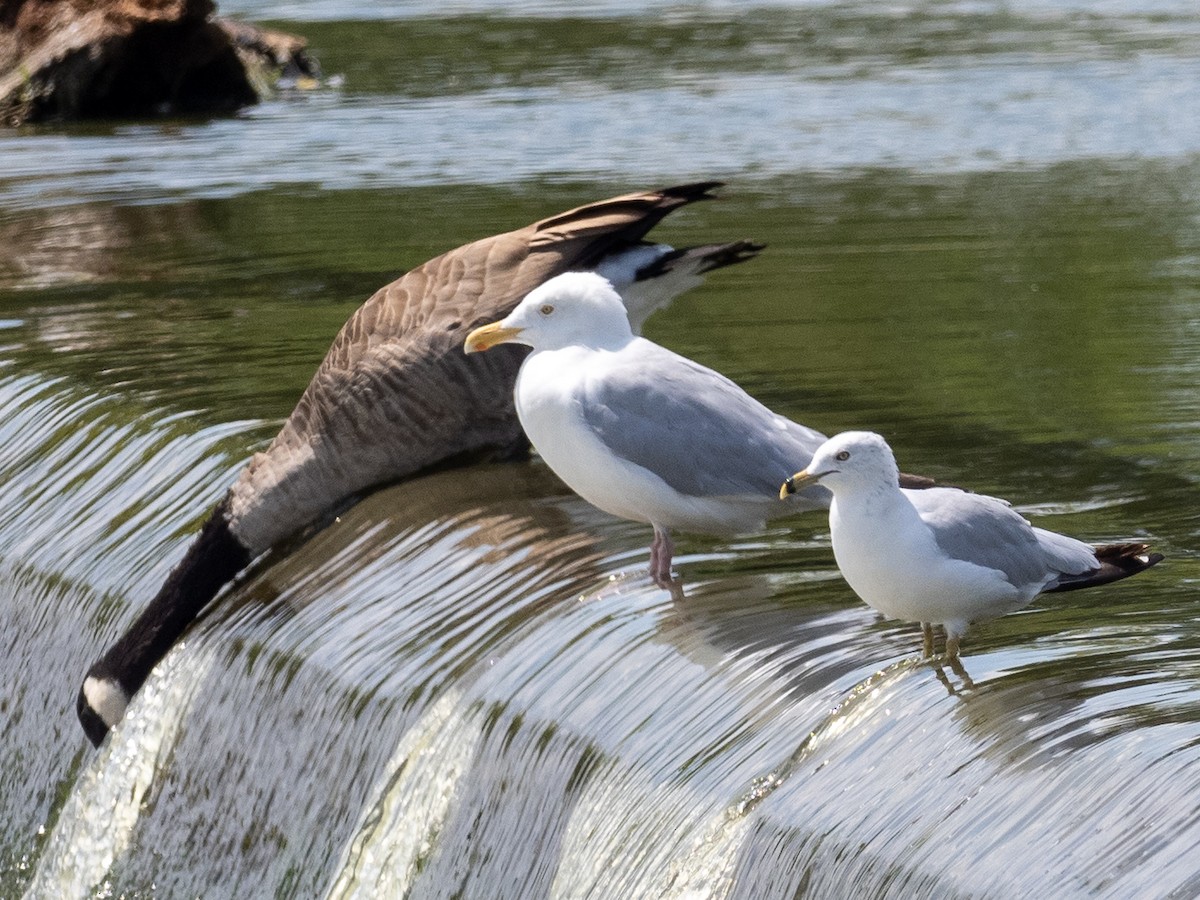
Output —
(935, 662)
(809, 641)
(957, 668)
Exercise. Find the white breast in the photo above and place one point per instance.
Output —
(891, 560)
(549, 394)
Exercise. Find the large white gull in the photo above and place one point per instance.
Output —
(639, 431)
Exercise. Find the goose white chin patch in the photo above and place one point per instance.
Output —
(107, 698)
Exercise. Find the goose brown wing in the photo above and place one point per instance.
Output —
(481, 282)
(395, 394)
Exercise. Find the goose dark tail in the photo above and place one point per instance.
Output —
(214, 557)
(701, 260)
(1117, 561)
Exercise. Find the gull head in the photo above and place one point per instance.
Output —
(852, 459)
(572, 309)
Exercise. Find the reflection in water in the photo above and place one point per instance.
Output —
(68, 246)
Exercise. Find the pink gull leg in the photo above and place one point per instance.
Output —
(661, 550)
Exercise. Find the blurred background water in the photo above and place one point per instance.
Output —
(982, 221)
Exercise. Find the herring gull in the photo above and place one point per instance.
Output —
(639, 431)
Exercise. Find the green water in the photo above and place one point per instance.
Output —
(982, 242)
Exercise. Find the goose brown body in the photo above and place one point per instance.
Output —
(396, 395)
(393, 396)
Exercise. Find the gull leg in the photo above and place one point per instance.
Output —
(656, 548)
(927, 643)
(951, 647)
(661, 550)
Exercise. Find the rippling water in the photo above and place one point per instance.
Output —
(982, 222)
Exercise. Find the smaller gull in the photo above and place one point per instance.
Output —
(942, 555)
(639, 431)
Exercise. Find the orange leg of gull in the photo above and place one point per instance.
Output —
(951, 646)
(661, 549)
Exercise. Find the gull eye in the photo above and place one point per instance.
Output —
(843, 456)
(546, 309)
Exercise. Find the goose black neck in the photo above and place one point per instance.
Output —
(212, 560)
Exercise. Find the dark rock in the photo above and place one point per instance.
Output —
(75, 59)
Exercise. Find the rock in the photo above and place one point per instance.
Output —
(75, 59)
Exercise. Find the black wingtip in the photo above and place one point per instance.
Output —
(702, 259)
(698, 190)
(1117, 561)
(1130, 557)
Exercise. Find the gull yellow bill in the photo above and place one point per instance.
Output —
(487, 336)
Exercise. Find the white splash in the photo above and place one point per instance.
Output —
(97, 822)
(399, 826)
(629, 838)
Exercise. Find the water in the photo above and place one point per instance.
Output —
(982, 227)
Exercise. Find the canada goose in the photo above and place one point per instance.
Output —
(395, 395)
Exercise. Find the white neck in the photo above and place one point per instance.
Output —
(871, 505)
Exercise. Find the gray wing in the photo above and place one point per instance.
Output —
(988, 532)
(696, 429)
